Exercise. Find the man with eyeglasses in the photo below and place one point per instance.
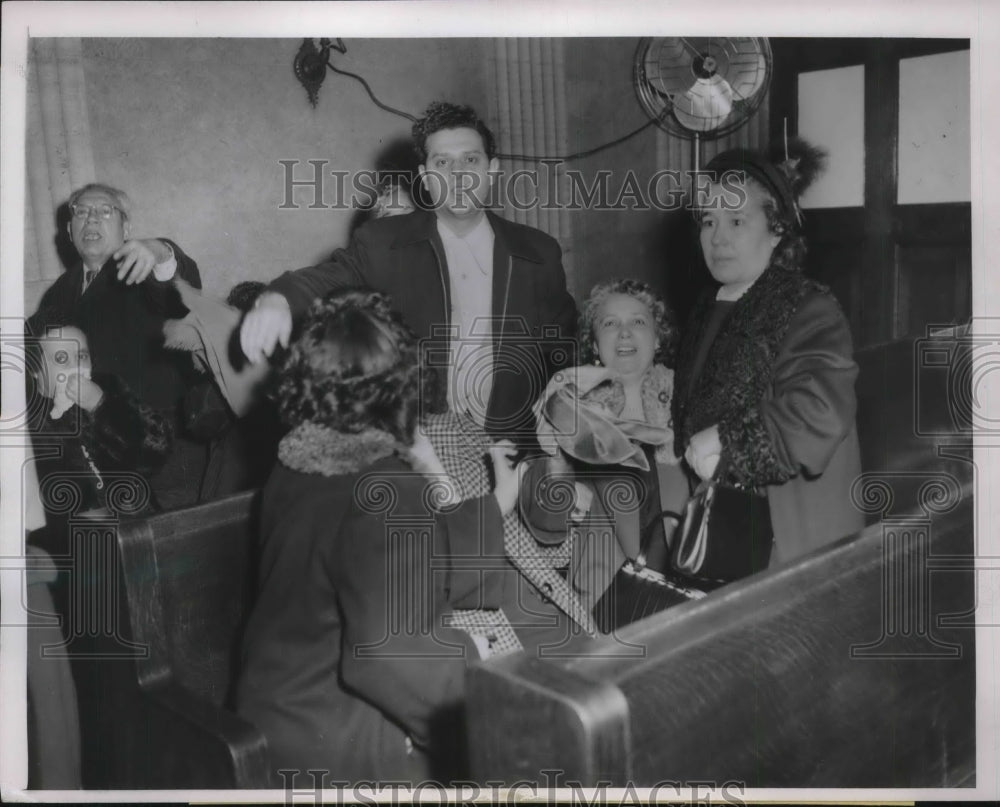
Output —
(120, 294)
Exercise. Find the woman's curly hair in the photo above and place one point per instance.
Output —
(355, 366)
(666, 327)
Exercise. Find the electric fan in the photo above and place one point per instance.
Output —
(702, 87)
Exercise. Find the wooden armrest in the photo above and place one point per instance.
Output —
(189, 743)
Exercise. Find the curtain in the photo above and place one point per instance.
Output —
(59, 153)
(527, 81)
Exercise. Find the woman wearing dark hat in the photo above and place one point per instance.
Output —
(764, 389)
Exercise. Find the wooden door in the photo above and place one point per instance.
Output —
(897, 267)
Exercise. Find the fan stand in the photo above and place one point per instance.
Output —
(696, 152)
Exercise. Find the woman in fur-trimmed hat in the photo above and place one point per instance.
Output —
(764, 388)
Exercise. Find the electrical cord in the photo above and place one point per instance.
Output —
(371, 95)
(580, 154)
(522, 157)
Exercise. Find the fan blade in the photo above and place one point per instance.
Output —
(701, 86)
(709, 103)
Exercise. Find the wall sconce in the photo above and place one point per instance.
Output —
(311, 63)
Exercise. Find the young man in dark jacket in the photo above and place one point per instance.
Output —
(486, 296)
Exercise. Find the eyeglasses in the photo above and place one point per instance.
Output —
(85, 211)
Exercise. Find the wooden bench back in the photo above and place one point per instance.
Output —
(833, 672)
(189, 578)
(853, 667)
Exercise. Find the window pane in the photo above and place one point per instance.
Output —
(832, 115)
(934, 139)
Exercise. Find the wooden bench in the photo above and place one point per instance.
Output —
(853, 667)
(815, 675)
(757, 681)
(155, 684)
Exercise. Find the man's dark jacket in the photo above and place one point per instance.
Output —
(124, 326)
(534, 317)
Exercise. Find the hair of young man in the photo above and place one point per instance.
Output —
(443, 115)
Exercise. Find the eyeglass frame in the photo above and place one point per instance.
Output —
(97, 209)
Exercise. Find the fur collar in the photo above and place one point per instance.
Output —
(314, 449)
(738, 373)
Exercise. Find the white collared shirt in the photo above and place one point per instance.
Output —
(470, 269)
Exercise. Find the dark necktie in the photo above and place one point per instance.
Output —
(88, 276)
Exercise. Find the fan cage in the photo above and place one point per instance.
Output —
(661, 109)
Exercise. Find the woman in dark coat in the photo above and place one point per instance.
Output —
(764, 388)
(95, 443)
(350, 663)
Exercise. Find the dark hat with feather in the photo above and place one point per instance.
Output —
(785, 177)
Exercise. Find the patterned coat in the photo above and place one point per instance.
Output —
(779, 382)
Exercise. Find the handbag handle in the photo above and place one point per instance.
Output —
(695, 552)
(647, 539)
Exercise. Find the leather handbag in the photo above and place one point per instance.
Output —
(638, 591)
(726, 534)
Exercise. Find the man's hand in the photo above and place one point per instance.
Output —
(138, 257)
(269, 322)
(508, 480)
(703, 452)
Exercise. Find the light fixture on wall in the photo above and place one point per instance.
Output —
(311, 63)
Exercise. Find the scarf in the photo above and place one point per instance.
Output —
(313, 449)
(580, 413)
